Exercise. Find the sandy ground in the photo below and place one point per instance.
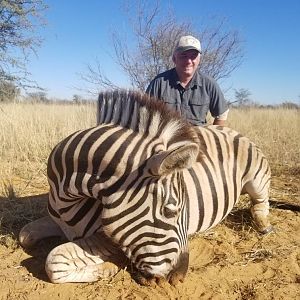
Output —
(231, 261)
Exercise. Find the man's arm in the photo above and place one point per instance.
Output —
(218, 106)
(221, 119)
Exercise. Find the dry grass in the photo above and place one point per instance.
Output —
(275, 131)
(28, 132)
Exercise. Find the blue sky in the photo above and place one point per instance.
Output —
(78, 32)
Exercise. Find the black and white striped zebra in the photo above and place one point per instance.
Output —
(138, 184)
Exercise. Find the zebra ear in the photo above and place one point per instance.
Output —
(181, 157)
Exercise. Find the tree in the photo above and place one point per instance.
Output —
(150, 50)
(242, 97)
(37, 97)
(77, 98)
(8, 91)
(289, 105)
(18, 21)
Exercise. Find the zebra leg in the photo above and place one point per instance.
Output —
(37, 230)
(85, 260)
(260, 206)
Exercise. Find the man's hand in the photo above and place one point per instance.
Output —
(219, 122)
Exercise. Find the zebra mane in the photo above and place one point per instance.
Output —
(144, 114)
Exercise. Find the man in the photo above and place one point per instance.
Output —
(188, 91)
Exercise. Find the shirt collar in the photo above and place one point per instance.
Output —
(196, 80)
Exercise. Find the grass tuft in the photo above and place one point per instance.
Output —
(8, 191)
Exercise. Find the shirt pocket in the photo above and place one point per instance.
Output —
(170, 100)
(197, 109)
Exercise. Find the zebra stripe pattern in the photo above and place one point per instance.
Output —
(146, 179)
(231, 165)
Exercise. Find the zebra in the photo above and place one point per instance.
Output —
(130, 191)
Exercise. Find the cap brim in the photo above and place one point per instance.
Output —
(183, 49)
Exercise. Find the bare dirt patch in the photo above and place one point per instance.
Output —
(230, 262)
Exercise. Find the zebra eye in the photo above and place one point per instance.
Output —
(170, 211)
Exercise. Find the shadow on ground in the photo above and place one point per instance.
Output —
(18, 211)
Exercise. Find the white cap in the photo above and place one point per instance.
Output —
(187, 42)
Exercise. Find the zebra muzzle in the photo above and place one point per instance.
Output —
(180, 269)
(147, 280)
(176, 275)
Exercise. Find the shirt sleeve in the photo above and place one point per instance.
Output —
(218, 105)
(155, 88)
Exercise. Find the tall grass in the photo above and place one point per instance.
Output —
(28, 132)
(275, 131)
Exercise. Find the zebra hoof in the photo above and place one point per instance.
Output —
(27, 238)
(267, 230)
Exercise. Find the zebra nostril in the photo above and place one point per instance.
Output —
(175, 278)
(148, 279)
(180, 269)
(143, 277)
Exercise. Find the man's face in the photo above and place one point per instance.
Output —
(186, 62)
